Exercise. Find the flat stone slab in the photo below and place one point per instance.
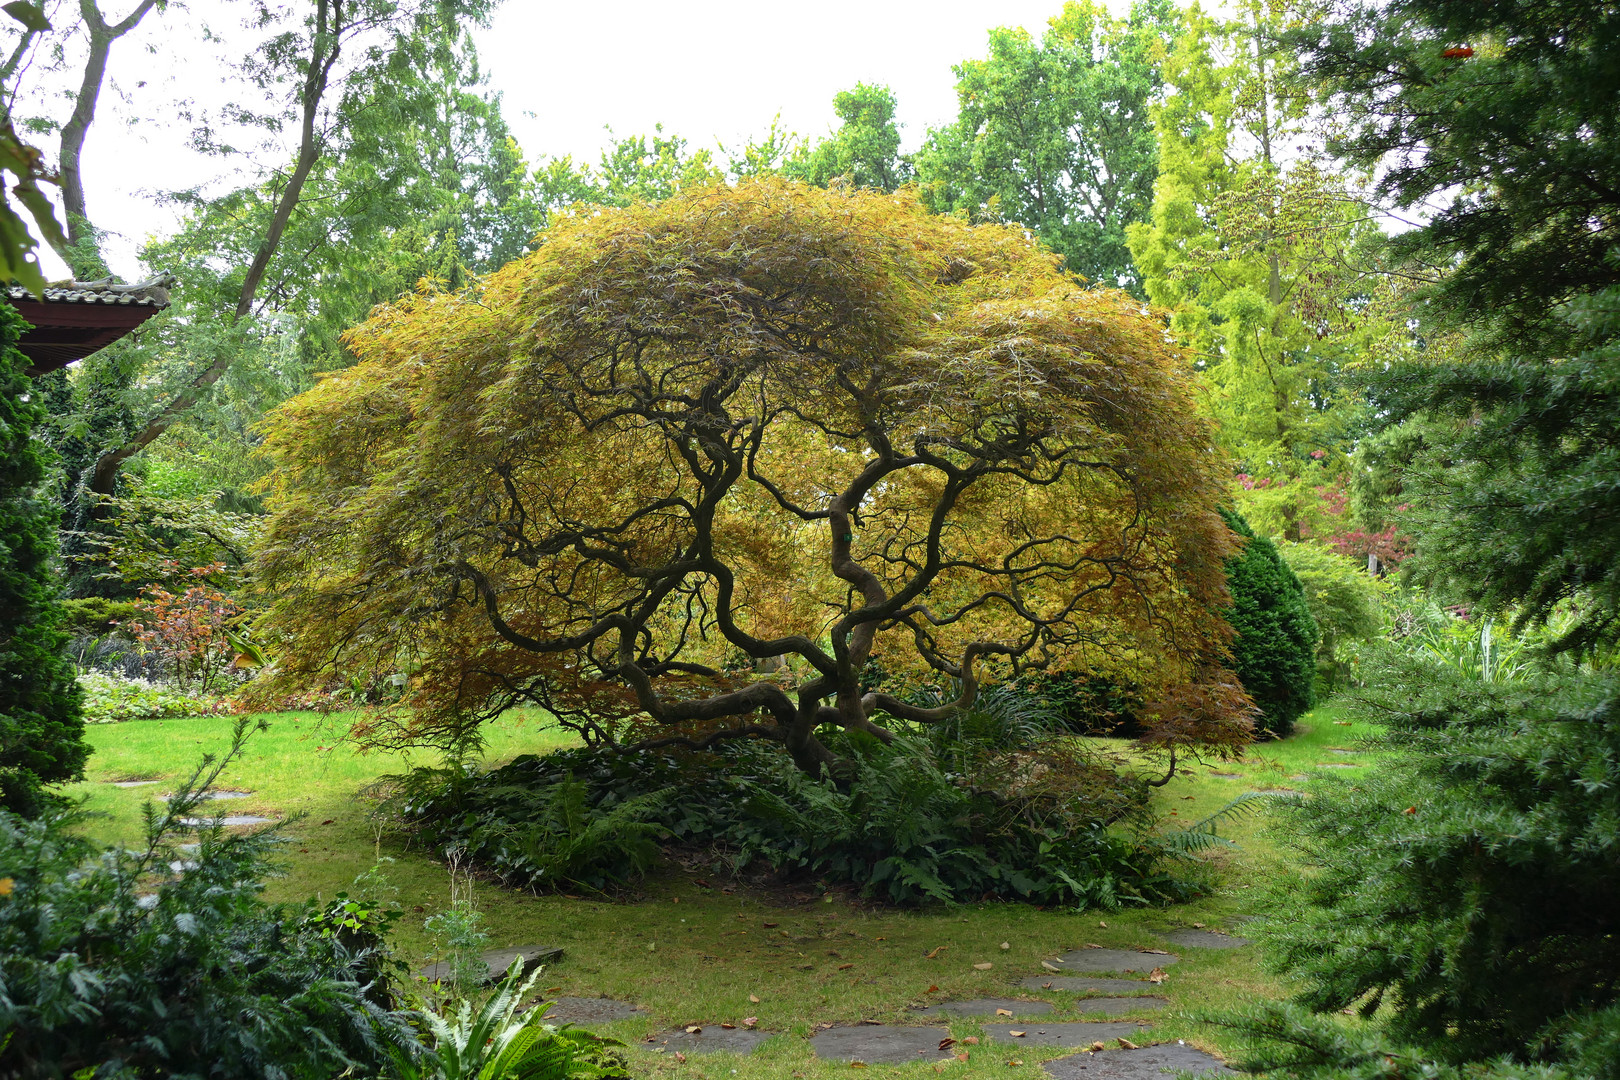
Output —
(1118, 1006)
(1338, 765)
(1082, 984)
(1194, 938)
(1160, 1062)
(881, 1044)
(713, 1038)
(498, 960)
(229, 821)
(1227, 775)
(987, 1007)
(1077, 1033)
(135, 783)
(1113, 960)
(597, 1010)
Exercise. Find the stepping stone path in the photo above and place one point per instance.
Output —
(134, 783)
(708, 1039)
(1077, 1033)
(1112, 960)
(901, 1044)
(1084, 984)
(1338, 765)
(1160, 1062)
(598, 1010)
(882, 1044)
(988, 1007)
(1194, 938)
(1114, 1006)
(1227, 775)
(498, 960)
(229, 821)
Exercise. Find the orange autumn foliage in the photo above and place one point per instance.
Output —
(683, 471)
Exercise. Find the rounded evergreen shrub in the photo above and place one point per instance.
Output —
(41, 731)
(1275, 649)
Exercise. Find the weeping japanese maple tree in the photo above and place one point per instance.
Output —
(688, 470)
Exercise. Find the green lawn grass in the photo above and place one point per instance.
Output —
(696, 954)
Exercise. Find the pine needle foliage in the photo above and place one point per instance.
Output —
(1275, 650)
(41, 730)
(1467, 887)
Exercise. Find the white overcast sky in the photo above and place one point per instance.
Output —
(712, 71)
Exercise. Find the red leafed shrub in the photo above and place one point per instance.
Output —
(188, 631)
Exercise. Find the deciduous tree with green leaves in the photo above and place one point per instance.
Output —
(1055, 134)
(1262, 257)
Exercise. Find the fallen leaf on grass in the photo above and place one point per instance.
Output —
(940, 1067)
(1089, 945)
(770, 925)
(971, 1040)
(845, 967)
(934, 954)
(1016, 1034)
(1097, 1046)
(932, 990)
(961, 1057)
(857, 1064)
(330, 821)
(1015, 1061)
(1003, 1012)
(1102, 924)
(1046, 986)
(729, 1027)
(552, 989)
(680, 1057)
(1156, 952)
(753, 999)
(983, 967)
(1342, 723)
(880, 939)
(946, 1043)
(750, 1021)
(1126, 1044)
(1050, 967)
(1006, 945)
(1198, 926)
(700, 883)
(1157, 975)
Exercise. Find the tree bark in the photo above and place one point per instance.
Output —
(102, 36)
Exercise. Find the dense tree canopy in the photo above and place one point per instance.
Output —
(1056, 133)
(1504, 114)
(765, 427)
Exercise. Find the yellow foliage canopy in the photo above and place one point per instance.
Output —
(685, 470)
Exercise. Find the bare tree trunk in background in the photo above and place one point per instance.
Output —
(326, 45)
(83, 259)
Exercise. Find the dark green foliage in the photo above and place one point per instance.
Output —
(41, 731)
(1512, 493)
(900, 828)
(1286, 1042)
(1089, 704)
(96, 616)
(1275, 651)
(1517, 142)
(1468, 885)
(203, 979)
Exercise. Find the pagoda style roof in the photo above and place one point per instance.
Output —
(75, 318)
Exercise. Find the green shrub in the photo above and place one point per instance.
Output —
(41, 733)
(1468, 886)
(110, 699)
(902, 828)
(161, 961)
(1274, 654)
(1344, 601)
(96, 616)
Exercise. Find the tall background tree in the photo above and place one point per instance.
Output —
(1056, 134)
(1265, 260)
